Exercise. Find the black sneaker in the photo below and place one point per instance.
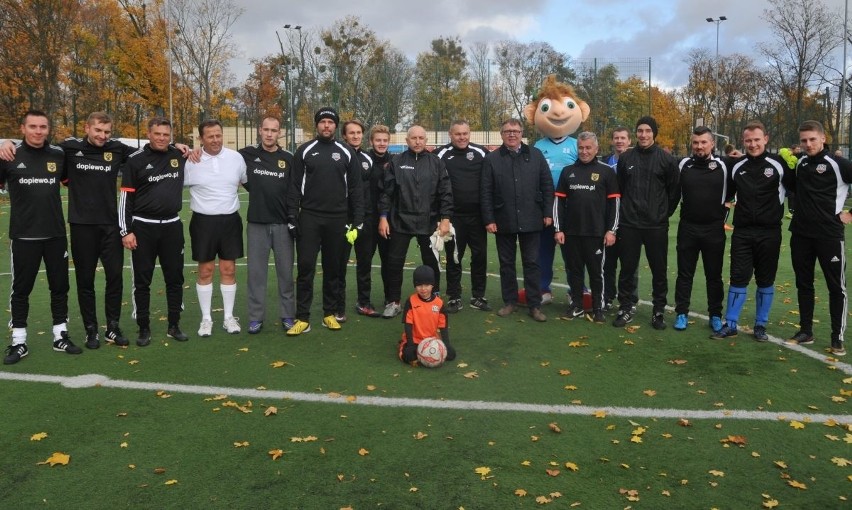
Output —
(14, 353)
(64, 344)
(608, 307)
(837, 348)
(760, 334)
(480, 303)
(623, 318)
(725, 332)
(573, 313)
(144, 337)
(801, 338)
(658, 322)
(453, 305)
(92, 341)
(175, 332)
(114, 336)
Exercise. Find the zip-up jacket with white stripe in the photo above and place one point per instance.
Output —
(822, 184)
(760, 183)
(703, 190)
(151, 187)
(586, 200)
(326, 181)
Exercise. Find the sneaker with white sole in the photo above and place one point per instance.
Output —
(681, 322)
(64, 344)
(287, 323)
(232, 325)
(14, 353)
(330, 322)
(546, 298)
(299, 327)
(837, 348)
(623, 318)
(480, 303)
(392, 309)
(205, 329)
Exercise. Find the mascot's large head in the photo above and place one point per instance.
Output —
(557, 111)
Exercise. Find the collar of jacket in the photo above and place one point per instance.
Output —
(755, 158)
(646, 150)
(525, 149)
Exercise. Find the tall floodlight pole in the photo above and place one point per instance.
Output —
(291, 85)
(169, 50)
(718, 21)
(843, 78)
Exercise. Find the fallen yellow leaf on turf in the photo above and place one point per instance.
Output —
(270, 411)
(577, 343)
(471, 375)
(797, 485)
(781, 464)
(636, 439)
(240, 444)
(57, 458)
(38, 437)
(599, 414)
(770, 503)
(797, 424)
(552, 472)
(650, 393)
(420, 435)
(371, 387)
(525, 463)
(840, 461)
(363, 452)
(716, 472)
(170, 482)
(564, 372)
(520, 492)
(163, 394)
(677, 361)
(278, 364)
(684, 422)
(572, 466)
(462, 365)
(570, 387)
(632, 329)
(276, 454)
(483, 472)
(554, 427)
(123, 445)
(412, 489)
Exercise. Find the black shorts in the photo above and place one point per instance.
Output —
(214, 236)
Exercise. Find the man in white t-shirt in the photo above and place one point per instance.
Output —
(216, 228)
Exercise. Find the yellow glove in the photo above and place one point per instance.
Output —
(351, 234)
(789, 157)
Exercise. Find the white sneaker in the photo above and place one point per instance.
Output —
(232, 325)
(546, 298)
(392, 309)
(206, 328)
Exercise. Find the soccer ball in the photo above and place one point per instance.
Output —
(431, 352)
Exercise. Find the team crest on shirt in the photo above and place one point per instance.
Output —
(712, 165)
(469, 156)
(595, 176)
(435, 309)
(51, 166)
(365, 165)
(174, 163)
(821, 168)
(282, 164)
(768, 172)
(336, 156)
(107, 156)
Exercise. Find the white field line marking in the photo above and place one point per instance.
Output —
(91, 380)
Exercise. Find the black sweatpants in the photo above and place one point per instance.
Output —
(709, 242)
(163, 241)
(26, 261)
(368, 242)
(327, 234)
(611, 275)
(656, 243)
(831, 254)
(586, 253)
(470, 232)
(397, 250)
(755, 250)
(90, 243)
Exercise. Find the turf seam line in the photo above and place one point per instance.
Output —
(93, 380)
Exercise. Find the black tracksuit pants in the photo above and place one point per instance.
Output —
(26, 261)
(470, 232)
(831, 254)
(368, 242)
(586, 254)
(90, 243)
(656, 243)
(163, 241)
(755, 250)
(327, 234)
(708, 241)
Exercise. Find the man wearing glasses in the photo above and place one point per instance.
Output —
(517, 202)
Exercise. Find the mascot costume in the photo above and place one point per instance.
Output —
(556, 113)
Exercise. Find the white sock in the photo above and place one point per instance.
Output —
(229, 295)
(58, 329)
(205, 299)
(19, 336)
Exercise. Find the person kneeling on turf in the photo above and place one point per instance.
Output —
(424, 317)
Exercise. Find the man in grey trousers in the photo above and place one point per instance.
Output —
(268, 168)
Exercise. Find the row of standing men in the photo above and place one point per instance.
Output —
(332, 192)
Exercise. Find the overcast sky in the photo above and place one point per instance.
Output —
(663, 30)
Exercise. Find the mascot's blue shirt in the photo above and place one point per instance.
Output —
(558, 154)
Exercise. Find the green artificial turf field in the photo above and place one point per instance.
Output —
(560, 414)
